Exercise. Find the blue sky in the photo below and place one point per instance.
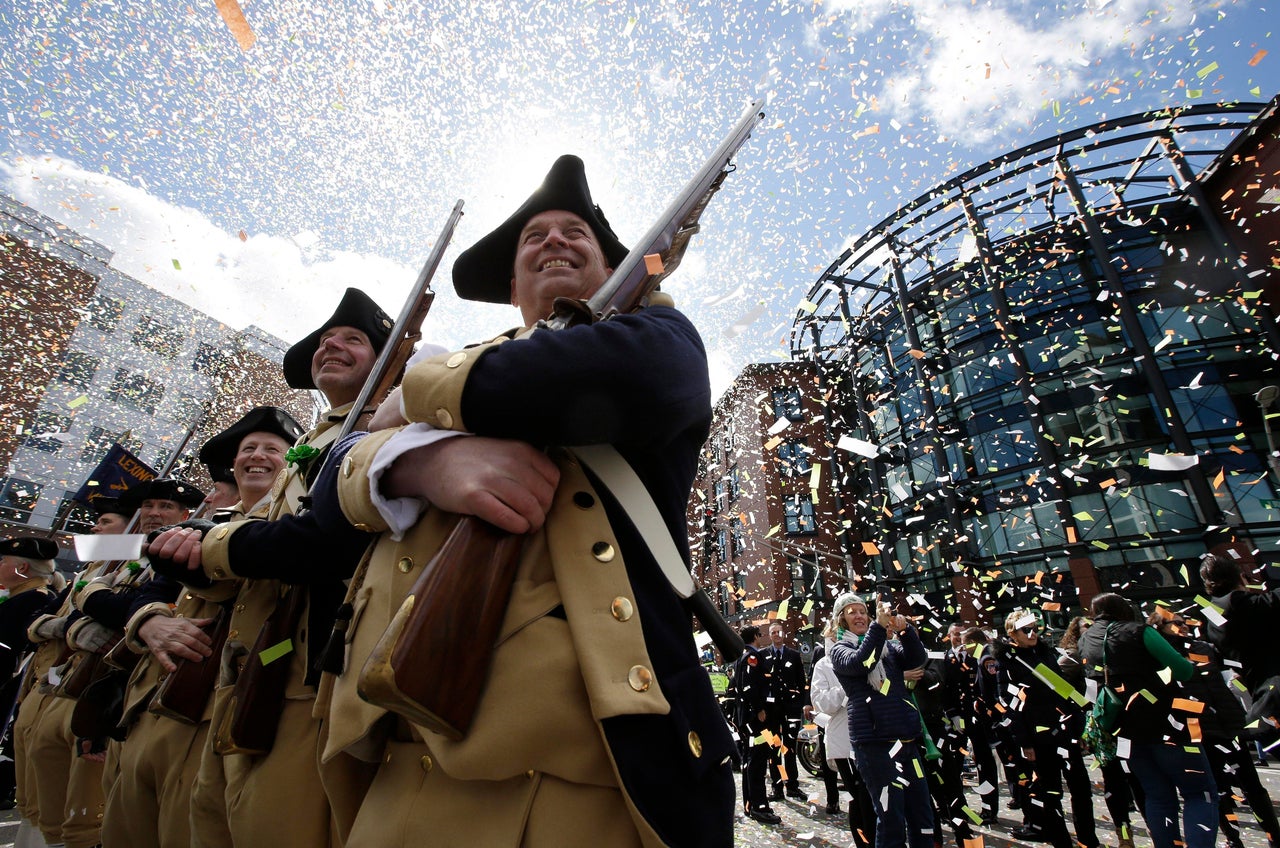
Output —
(257, 184)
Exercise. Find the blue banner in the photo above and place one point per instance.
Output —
(118, 472)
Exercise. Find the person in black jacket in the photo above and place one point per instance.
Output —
(1220, 725)
(752, 718)
(1130, 658)
(788, 695)
(1043, 724)
(26, 571)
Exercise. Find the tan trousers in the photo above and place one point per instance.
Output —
(277, 800)
(149, 804)
(24, 725)
(412, 802)
(68, 787)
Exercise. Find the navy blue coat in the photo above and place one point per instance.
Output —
(876, 716)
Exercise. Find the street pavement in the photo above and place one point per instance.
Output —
(807, 824)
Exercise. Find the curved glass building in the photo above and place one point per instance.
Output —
(1055, 368)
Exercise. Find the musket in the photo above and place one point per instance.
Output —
(250, 723)
(432, 662)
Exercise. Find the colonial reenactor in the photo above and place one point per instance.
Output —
(596, 716)
(336, 359)
(149, 803)
(26, 572)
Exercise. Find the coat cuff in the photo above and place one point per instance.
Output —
(432, 389)
(215, 552)
(353, 483)
(35, 625)
(139, 618)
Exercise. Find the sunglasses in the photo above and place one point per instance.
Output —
(1030, 629)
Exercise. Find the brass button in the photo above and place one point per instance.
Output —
(239, 607)
(363, 528)
(219, 574)
(621, 609)
(695, 744)
(456, 360)
(387, 758)
(639, 677)
(233, 634)
(529, 774)
(583, 500)
(603, 551)
(405, 565)
(445, 419)
(347, 466)
(222, 532)
(426, 762)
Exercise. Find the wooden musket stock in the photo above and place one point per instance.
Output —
(184, 693)
(432, 662)
(249, 725)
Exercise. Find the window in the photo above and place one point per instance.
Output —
(97, 445)
(798, 515)
(17, 498)
(735, 536)
(793, 458)
(158, 338)
(105, 312)
(187, 408)
(208, 359)
(44, 432)
(803, 577)
(135, 390)
(78, 517)
(78, 369)
(722, 494)
(734, 488)
(786, 403)
(723, 552)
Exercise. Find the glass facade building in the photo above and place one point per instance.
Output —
(1049, 368)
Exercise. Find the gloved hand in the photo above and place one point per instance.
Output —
(51, 628)
(92, 636)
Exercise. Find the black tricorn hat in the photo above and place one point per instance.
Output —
(162, 488)
(30, 547)
(357, 310)
(220, 474)
(483, 271)
(104, 505)
(221, 449)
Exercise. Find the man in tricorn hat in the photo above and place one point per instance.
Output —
(251, 791)
(112, 517)
(65, 797)
(149, 801)
(596, 716)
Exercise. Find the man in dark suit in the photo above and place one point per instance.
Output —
(788, 695)
(752, 717)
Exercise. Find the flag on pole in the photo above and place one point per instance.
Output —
(118, 472)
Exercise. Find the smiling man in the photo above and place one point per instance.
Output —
(597, 719)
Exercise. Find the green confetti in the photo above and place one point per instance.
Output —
(275, 652)
(1207, 69)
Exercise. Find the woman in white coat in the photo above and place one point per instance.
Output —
(830, 706)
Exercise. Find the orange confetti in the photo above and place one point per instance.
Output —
(870, 549)
(1188, 706)
(1071, 535)
(653, 263)
(1051, 606)
(233, 15)
(1257, 57)
(1193, 729)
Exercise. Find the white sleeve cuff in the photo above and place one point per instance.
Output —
(401, 513)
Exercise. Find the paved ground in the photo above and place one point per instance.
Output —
(807, 824)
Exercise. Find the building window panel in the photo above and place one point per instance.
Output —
(158, 338)
(76, 517)
(793, 458)
(46, 432)
(78, 369)
(18, 498)
(798, 515)
(135, 390)
(105, 312)
(786, 403)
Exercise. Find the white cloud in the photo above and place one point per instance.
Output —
(979, 70)
(285, 285)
